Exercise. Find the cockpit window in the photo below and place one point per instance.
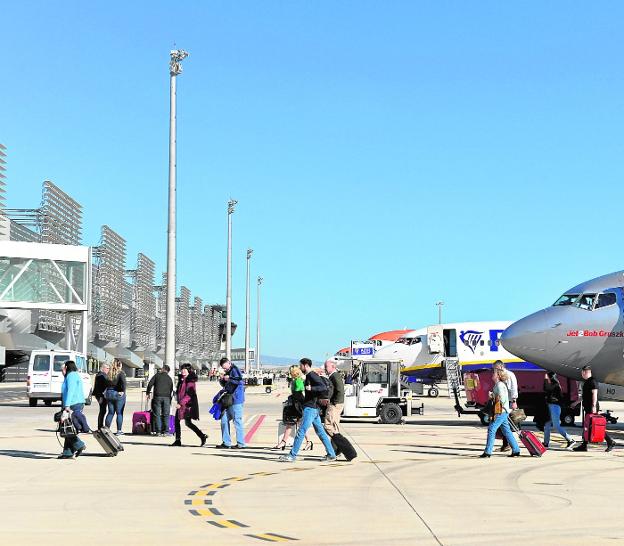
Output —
(586, 301)
(605, 300)
(409, 340)
(566, 299)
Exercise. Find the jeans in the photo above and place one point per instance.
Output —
(161, 405)
(78, 418)
(116, 406)
(189, 424)
(71, 445)
(311, 417)
(233, 413)
(102, 413)
(555, 421)
(500, 421)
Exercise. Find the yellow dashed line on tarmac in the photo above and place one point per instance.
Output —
(197, 502)
(228, 523)
(272, 537)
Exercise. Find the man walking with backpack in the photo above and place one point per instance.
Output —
(233, 384)
(315, 388)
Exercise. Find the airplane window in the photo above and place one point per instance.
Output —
(586, 301)
(605, 300)
(402, 340)
(566, 299)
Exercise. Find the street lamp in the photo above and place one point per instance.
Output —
(247, 310)
(440, 304)
(175, 69)
(258, 364)
(228, 295)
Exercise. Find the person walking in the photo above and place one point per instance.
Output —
(296, 400)
(336, 402)
(314, 387)
(162, 384)
(590, 405)
(115, 394)
(72, 397)
(232, 382)
(512, 389)
(100, 385)
(187, 408)
(501, 415)
(554, 397)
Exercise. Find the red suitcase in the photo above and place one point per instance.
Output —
(594, 428)
(532, 443)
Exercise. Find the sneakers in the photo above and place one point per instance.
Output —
(119, 433)
(515, 454)
(610, 447)
(237, 446)
(570, 445)
(328, 458)
(223, 446)
(287, 458)
(582, 447)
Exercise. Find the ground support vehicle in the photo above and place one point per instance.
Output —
(373, 389)
(45, 375)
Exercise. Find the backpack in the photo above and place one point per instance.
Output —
(325, 397)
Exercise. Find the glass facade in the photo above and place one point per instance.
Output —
(29, 280)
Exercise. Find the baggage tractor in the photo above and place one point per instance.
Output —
(109, 442)
(343, 446)
(280, 432)
(142, 420)
(594, 428)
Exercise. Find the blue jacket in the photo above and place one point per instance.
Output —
(235, 385)
(72, 391)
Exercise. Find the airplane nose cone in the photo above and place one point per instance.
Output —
(526, 338)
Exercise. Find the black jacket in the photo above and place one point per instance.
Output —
(338, 383)
(120, 383)
(100, 384)
(554, 395)
(317, 387)
(162, 385)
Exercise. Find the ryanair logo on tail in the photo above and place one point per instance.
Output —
(470, 338)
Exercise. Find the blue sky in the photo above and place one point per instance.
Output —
(385, 155)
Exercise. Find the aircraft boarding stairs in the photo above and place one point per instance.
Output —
(455, 383)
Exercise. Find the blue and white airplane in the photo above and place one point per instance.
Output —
(475, 344)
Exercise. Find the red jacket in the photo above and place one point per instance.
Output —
(187, 397)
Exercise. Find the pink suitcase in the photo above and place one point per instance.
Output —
(142, 422)
(532, 443)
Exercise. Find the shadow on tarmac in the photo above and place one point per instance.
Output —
(26, 454)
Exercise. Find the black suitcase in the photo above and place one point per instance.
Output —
(109, 442)
(343, 446)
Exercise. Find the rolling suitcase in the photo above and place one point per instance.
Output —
(529, 440)
(109, 442)
(594, 428)
(142, 421)
(343, 446)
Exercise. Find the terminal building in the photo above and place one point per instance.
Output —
(126, 320)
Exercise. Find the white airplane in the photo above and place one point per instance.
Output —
(476, 345)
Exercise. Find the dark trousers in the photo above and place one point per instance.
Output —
(102, 413)
(161, 405)
(79, 419)
(189, 424)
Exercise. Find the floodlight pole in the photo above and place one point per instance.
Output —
(247, 312)
(440, 304)
(258, 363)
(228, 295)
(175, 69)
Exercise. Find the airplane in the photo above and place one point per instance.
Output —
(475, 344)
(584, 326)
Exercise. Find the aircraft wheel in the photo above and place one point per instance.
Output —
(391, 414)
(32, 402)
(433, 392)
(267, 390)
(567, 420)
(48, 402)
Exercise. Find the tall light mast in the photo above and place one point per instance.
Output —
(228, 295)
(175, 69)
(247, 312)
(258, 363)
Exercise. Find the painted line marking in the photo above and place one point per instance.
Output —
(230, 523)
(206, 493)
(250, 419)
(272, 537)
(254, 428)
(197, 502)
(283, 537)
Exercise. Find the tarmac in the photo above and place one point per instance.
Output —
(417, 483)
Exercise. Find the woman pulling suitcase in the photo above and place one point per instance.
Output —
(187, 407)
(500, 396)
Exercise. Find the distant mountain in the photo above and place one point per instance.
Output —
(282, 361)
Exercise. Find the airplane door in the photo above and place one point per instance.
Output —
(450, 343)
(435, 339)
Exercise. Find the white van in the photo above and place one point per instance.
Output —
(45, 376)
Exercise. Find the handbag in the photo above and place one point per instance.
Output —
(57, 416)
(226, 400)
(517, 416)
(67, 429)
